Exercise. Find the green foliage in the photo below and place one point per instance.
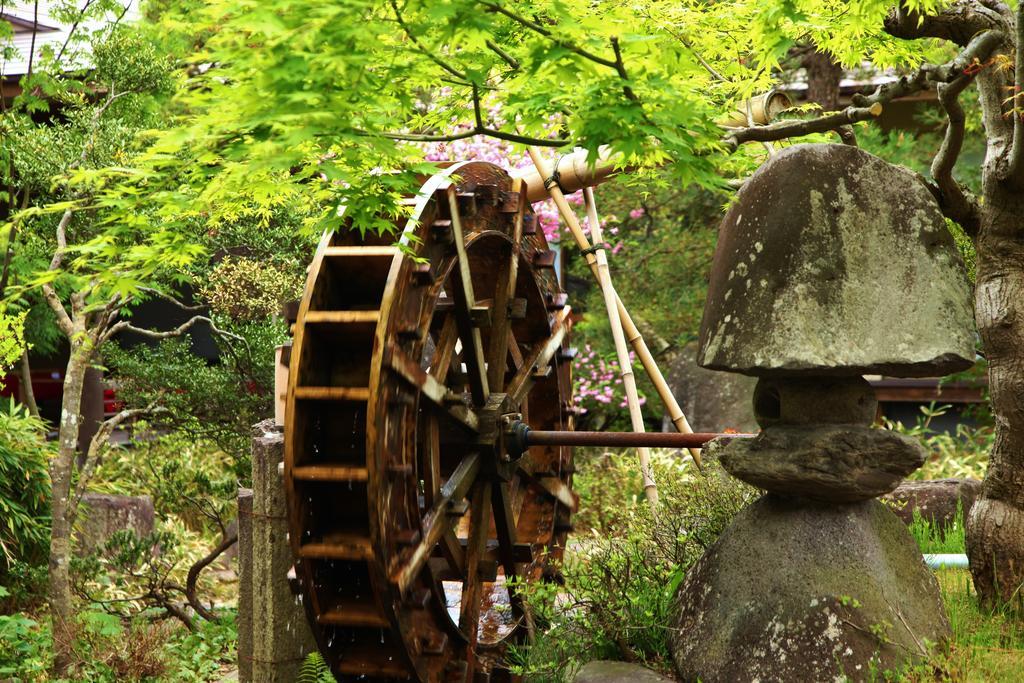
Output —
(12, 339)
(620, 577)
(962, 454)
(934, 539)
(24, 488)
(202, 655)
(315, 670)
(245, 289)
(213, 401)
(23, 647)
(987, 645)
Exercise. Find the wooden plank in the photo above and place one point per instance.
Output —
(330, 473)
(333, 393)
(341, 317)
(361, 252)
(338, 546)
(356, 614)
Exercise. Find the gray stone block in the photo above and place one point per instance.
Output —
(281, 637)
(603, 671)
(101, 515)
(244, 584)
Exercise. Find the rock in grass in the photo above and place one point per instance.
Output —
(936, 500)
(602, 671)
(797, 591)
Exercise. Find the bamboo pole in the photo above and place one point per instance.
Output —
(604, 280)
(632, 334)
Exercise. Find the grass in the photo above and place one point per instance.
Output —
(933, 539)
(986, 645)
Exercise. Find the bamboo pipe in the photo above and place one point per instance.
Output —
(574, 173)
(636, 418)
(633, 335)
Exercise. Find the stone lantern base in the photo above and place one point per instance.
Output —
(796, 590)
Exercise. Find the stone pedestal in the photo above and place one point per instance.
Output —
(280, 635)
(801, 591)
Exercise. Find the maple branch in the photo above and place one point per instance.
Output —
(620, 68)
(477, 130)
(505, 56)
(125, 326)
(956, 204)
(424, 51)
(177, 302)
(796, 128)
(537, 28)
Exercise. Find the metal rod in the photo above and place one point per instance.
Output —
(537, 437)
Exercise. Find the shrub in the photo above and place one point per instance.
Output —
(963, 454)
(217, 402)
(620, 578)
(24, 488)
(246, 289)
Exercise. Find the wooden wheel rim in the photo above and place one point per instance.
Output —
(364, 511)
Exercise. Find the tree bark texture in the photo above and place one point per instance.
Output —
(60, 598)
(995, 526)
(823, 77)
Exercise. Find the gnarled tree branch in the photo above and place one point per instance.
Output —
(866, 107)
(956, 204)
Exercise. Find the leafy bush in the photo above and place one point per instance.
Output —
(620, 579)
(246, 289)
(24, 488)
(216, 402)
(963, 454)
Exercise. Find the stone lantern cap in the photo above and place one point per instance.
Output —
(834, 262)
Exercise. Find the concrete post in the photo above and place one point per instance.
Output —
(281, 637)
(244, 584)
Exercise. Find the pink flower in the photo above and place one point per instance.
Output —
(636, 213)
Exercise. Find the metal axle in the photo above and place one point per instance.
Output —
(521, 437)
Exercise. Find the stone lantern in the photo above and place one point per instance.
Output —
(830, 265)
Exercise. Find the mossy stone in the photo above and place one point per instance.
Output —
(834, 262)
(798, 591)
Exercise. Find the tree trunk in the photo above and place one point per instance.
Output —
(28, 394)
(995, 527)
(61, 603)
(823, 77)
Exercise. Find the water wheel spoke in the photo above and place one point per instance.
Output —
(434, 391)
(554, 487)
(539, 357)
(462, 294)
(438, 521)
(505, 291)
(444, 349)
(505, 529)
(431, 467)
(479, 526)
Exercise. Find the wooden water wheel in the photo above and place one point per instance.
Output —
(411, 521)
